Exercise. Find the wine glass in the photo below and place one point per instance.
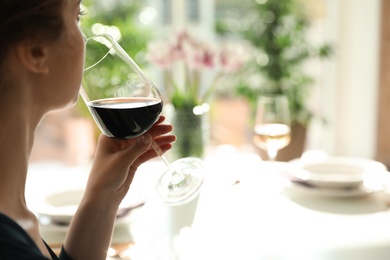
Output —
(272, 130)
(125, 104)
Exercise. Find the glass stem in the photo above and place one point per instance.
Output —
(272, 154)
(176, 177)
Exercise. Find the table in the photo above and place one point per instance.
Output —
(247, 210)
(263, 218)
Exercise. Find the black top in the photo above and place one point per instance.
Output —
(15, 243)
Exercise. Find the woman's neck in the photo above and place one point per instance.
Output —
(17, 129)
(22, 108)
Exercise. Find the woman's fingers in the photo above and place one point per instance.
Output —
(158, 130)
(165, 144)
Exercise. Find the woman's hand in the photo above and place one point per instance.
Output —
(112, 172)
(116, 161)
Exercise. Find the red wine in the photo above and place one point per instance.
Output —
(125, 118)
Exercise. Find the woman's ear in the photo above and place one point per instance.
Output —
(33, 57)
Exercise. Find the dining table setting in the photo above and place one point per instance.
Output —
(317, 207)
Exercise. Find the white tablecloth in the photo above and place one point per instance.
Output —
(247, 210)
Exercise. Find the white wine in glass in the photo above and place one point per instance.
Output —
(272, 130)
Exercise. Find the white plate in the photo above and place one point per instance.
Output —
(123, 231)
(345, 173)
(362, 190)
(56, 209)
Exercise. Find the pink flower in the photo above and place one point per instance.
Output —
(233, 56)
(200, 56)
(197, 56)
(161, 54)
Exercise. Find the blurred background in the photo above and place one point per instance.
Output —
(330, 56)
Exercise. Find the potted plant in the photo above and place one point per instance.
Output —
(278, 31)
(191, 68)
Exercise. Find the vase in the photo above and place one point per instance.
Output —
(191, 127)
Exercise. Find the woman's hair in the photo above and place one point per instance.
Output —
(29, 20)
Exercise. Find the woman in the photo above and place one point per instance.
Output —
(41, 63)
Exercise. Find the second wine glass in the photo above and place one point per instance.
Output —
(272, 130)
(125, 104)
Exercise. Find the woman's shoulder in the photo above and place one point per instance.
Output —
(15, 243)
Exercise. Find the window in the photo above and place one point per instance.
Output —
(193, 11)
(167, 12)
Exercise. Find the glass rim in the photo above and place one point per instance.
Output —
(109, 48)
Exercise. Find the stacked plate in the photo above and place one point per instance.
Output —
(338, 176)
(55, 211)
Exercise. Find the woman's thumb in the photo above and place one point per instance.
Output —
(143, 143)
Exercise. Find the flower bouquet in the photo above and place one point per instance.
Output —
(191, 69)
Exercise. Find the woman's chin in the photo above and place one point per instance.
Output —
(73, 102)
(68, 105)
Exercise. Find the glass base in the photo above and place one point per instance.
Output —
(184, 187)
